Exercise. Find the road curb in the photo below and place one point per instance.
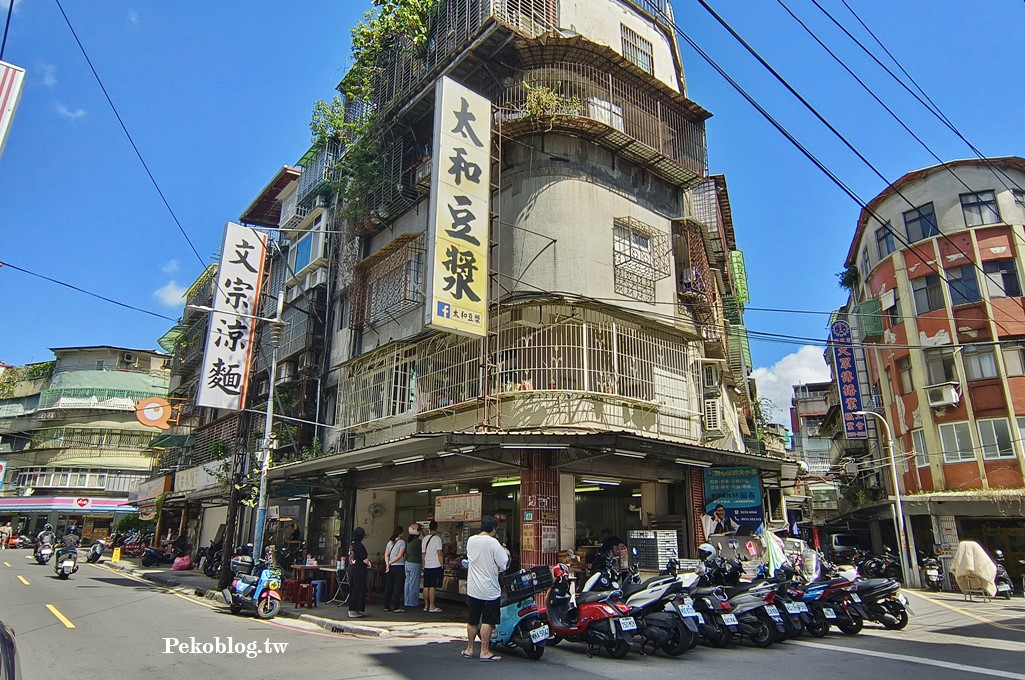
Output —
(332, 625)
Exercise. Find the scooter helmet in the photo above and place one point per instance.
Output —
(47, 527)
(999, 554)
(707, 551)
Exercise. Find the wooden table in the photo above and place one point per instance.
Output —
(306, 574)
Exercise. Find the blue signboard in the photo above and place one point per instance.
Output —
(846, 370)
(738, 490)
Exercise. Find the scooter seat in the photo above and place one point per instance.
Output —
(585, 598)
(248, 580)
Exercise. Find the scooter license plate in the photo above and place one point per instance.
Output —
(1003, 588)
(855, 597)
(828, 613)
(793, 608)
(932, 572)
(689, 601)
(772, 610)
(539, 635)
(68, 568)
(627, 623)
(729, 619)
(803, 607)
(687, 611)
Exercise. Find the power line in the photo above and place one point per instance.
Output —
(128, 134)
(7, 27)
(86, 292)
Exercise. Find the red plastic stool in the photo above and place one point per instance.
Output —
(306, 596)
(291, 588)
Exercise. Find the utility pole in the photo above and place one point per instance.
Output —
(276, 330)
(239, 469)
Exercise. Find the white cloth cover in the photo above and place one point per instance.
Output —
(973, 569)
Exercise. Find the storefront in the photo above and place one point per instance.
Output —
(93, 516)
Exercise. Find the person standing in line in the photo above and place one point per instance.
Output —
(486, 558)
(395, 572)
(413, 566)
(5, 535)
(359, 563)
(434, 572)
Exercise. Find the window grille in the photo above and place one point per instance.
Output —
(388, 283)
(637, 50)
(640, 257)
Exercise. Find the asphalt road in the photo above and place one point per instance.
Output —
(123, 626)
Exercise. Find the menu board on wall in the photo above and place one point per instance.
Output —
(464, 507)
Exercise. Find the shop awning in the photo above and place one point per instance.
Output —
(78, 504)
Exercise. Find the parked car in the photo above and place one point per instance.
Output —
(843, 546)
(10, 669)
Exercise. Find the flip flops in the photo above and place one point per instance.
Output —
(493, 657)
(463, 654)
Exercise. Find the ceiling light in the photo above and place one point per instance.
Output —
(510, 496)
(411, 459)
(581, 489)
(474, 490)
(505, 481)
(695, 463)
(446, 454)
(422, 491)
(604, 482)
(534, 447)
(626, 454)
(336, 473)
(369, 466)
(435, 490)
(635, 495)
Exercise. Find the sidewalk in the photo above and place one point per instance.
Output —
(376, 623)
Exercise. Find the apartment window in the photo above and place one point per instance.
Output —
(928, 293)
(939, 365)
(303, 252)
(638, 50)
(904, 370)
(1014, 357)
(1019, 202)
(1001, 278)
(956, 439)
(885, 240)
(980, 208)
(866, 263)
(921, 453)
(920, 223)
(979, 362)
(893, 312)
(1021, 428)
(964, 285)
(995, 436)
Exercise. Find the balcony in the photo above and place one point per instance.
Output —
(869, 318)
(652, 127)
(292, 212)
(318, 172)
(188, 351)
(200, 293)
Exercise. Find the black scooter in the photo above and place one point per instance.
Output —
(932, 571)
(1003, 580)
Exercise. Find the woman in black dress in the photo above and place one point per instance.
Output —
(359, 563)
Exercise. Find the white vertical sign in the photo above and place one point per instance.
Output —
(229, 337)
(3, 473)
(460, 206)
(12, 79)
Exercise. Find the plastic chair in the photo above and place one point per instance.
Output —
(306, 596)
(291, 586)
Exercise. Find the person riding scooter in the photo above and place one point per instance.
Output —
(45, 537)
(68, 544)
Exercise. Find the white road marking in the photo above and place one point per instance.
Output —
(964, 668)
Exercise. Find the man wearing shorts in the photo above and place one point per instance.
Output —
(486, 558)
(433, 570)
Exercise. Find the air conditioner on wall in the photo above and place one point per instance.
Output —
(128, 358)
(943, 395)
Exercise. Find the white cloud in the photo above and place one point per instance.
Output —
(49, 75)
(170, 295)
(67, 113)
(133, 16)
(170, 267)
(6, 4)
(776, 383)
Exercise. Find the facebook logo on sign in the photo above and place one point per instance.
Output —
(444, 310)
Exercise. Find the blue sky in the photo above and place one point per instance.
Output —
(218, 97)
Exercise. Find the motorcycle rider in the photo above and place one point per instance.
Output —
(45, 537)
(68, 543)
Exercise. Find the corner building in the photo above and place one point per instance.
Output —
(940, 291)
(615, 363)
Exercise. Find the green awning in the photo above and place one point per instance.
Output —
(168, 339)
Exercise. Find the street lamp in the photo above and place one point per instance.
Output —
(898, 512)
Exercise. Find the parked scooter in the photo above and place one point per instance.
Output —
(211, 558)
(66, 563)
(166, 555)
(521, 625)
(757, 618)
(654, 605)
(933, 572)
(1003, 579)
(24, 541)
(598, 619)
(95, 552)
(257, 593)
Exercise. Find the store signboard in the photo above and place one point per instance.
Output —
(464, 507)
(738, 489)
(229, 336)
(846, 369)
(12, 81)
(3, 473)
(460, 211)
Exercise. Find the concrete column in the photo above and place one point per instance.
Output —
(540, 493)
(654, 501)
(567, 512)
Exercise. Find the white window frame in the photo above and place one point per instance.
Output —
(997, 284)
(980, 362)
(990, 439)
(713, 415)
(1014, 357)
(962, 451)
(921, 450)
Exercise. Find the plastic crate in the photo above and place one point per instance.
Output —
(525, 583)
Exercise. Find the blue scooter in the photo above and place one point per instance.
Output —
(257, 593)
(66, 563)
(521, 625)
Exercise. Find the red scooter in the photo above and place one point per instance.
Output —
(597, 619)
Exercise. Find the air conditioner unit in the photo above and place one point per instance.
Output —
(943, 395)
(320, 201)
(286, 372)
(129, 358)
(529, 316)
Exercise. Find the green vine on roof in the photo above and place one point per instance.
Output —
(402, 25)
(10, 377)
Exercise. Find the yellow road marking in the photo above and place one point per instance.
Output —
(60, 617)
(22, 579)
(7, 564)
(964, 612)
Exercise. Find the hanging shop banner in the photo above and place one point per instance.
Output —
(846, 370)
(12, 79)
(458, 222)
(738, 490)
(3, 473)
(229, 338)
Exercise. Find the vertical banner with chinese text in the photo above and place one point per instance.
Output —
(846, 370)
(460, 206)
(229, 337)
(12, 80)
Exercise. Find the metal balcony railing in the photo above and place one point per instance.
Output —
(189, 349)
(200, 293)
(317, 173)
(292, 212)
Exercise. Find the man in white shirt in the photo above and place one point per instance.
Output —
(434, 571)
(486, 558)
